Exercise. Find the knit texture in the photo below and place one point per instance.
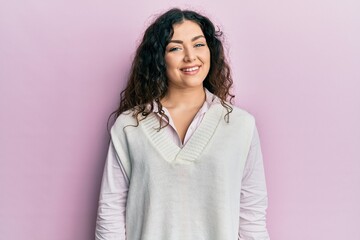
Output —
(184, 193)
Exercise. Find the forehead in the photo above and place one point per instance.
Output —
(186, 30)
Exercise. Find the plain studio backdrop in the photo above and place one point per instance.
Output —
(63, 64)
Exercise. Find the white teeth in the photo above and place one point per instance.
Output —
(190, 69)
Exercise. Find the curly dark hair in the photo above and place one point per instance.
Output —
(148, 81)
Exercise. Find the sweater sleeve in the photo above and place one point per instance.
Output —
(253, 198)
(110, 222)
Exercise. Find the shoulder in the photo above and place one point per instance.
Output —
(125, 119)
(239, 119)
(241, 113)
(236, 112)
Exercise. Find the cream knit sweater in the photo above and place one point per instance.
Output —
(184, 193)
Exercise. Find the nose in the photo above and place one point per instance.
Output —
(189, 55)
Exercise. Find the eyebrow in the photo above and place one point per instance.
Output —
(193, 39)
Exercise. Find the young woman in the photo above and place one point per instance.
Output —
(183, 162)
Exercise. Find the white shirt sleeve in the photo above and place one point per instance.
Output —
(253, 198)
(110, 222)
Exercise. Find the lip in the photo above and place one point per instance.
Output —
(191, 72)
(190, 67)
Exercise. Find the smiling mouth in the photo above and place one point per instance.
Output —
(191, 69)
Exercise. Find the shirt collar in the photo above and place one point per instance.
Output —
(210, 99)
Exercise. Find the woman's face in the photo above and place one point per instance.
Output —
(187, 56)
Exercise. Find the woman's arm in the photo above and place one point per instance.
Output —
(253, 198)
(110, 223)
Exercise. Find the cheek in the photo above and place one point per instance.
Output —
(208, 55)
(170, 67)
(171, 61)
(205, 56)
(207, 60)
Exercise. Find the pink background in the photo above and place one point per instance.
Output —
(63, 64)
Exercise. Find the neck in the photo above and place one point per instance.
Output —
(186, 98)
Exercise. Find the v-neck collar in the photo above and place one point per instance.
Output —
(191, 151)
